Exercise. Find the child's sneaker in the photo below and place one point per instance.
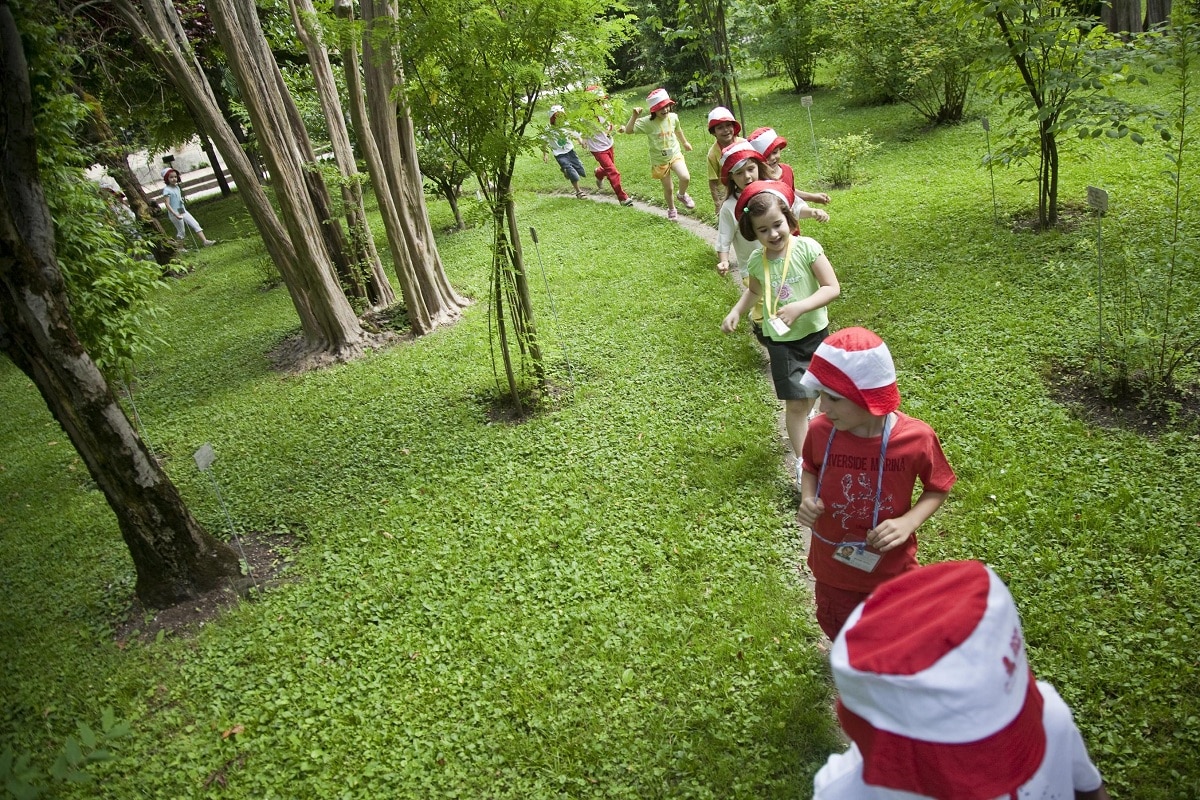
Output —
(672, 214)
(628, 201)
(686, 199)
(599, 182)
(208, 242)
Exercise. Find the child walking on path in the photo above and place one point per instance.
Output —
(860, 464)
(600, 144)
(178, 213)
(558, 139)
(741, 166)
(665, 135)
(794, 281)
(769, 144)
(939, 701)
(725, 129)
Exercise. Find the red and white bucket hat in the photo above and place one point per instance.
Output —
(767, 141)
(855, 363)
(777, 188)
(735, 155)
(935, 688)
(722, 114)
(659, 99)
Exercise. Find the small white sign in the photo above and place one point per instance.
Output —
(1098, 199)
(806, 101)
(204, 457)
(987, 126)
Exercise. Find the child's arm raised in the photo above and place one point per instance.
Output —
(749, 297)
(637, 112)
(891, 533)
(827, 292)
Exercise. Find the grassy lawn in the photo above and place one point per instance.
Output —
(598, 602)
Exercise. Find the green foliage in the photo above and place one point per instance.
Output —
(108, 277)
(912, 52)
(1059, 71)
(842, 158)
(785, 33)
(1150, 310)
(22, 780)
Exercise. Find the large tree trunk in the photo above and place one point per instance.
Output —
(378, 289)
(428, 295)
(1157, 12)
(1122, 16)
(174, 557)
(337, 329)
(157, 25)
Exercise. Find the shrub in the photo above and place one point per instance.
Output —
(841, 158)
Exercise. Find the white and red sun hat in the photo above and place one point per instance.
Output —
(935, 688)
(856, 364)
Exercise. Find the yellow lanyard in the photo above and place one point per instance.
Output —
(771, 298)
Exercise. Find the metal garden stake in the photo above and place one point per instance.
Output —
(806, 101)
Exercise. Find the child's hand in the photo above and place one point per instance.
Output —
(819, 197)
(730, 323)
(637, 111)
(810, 509)
(722, 267)
(789, 314)
(820, 215)
(889, 534)
(688, 147)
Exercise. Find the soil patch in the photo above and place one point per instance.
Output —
(1129, 410)
(268, 556)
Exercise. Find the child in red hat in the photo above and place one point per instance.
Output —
(665, 135)
(599, 143)
(769, 144)
(726, 130)
(860, 463)
(794, 281)
(937, 697)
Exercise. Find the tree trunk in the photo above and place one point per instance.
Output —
(378, 289)
(218, 170)
(174, 557)
(1122, 16)
(1157, 13)
(428, 295)
(336, 330)
(158, 26)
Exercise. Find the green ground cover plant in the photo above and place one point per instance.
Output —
(598, 602)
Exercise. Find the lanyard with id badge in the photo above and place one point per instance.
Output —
(771, 301)
(855, 554)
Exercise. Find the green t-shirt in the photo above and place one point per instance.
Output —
(799, 282)
(664, 146)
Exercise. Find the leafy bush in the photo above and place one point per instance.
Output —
(912, 52)
(841, 158)
(791, 39)
(1150, 313)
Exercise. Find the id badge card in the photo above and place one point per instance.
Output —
(779, 326)
(859, 558)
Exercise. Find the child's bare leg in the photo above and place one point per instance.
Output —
(685, 177)
(795, 420)
(668, 191)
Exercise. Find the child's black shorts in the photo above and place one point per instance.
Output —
(789, 361)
